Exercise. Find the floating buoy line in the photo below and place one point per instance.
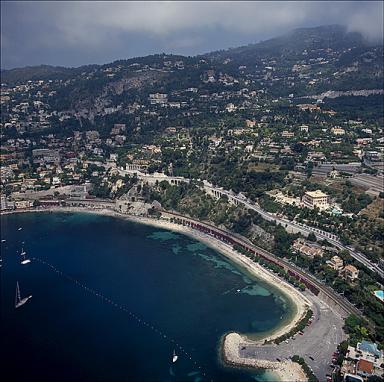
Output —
(123, 308)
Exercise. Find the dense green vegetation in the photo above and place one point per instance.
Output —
(369, 108)
(357, 329)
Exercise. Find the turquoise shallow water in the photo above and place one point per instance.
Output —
(379, 294)
(112, 300)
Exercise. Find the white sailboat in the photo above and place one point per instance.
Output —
(174, 357)
(1, 259)
(18, 300)
(24, 259)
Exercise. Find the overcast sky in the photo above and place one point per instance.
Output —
(76, 33)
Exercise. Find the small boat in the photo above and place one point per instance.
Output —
(24, 259)
(174, 357)
(3, 240)
(18, 300)
(238, 290)
(19, 229)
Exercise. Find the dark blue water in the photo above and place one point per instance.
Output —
(166, 280)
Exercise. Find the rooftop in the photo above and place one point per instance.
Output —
(316, 194)
(350, 268)
(369, 347)
(365, 366)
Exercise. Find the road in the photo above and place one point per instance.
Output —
(373, 182)
(287, 224)
(298, 227)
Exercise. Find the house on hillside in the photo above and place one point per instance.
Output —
(336, 263)
(351, 273)
(303, 247)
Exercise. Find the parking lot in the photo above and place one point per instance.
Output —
(319, 341)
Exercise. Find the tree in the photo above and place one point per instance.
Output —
(309, 169)
(343, 347)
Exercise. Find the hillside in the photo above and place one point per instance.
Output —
(292, 69)
(303, 43)
(41, 72)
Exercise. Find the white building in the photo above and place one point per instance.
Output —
(337, 131)
(312, 199)
(230, 108)
(158, 98)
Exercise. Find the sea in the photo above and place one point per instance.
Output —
(114, 300)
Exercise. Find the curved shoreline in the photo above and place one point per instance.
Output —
(286, 370)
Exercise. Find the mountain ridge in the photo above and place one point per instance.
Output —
(324, 32)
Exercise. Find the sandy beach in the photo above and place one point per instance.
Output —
(285, 370)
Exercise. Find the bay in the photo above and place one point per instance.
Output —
(113, 299)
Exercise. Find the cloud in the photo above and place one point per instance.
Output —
(165, 18)
(90, 29)
(368, 21)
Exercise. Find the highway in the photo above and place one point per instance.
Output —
(287, 224)
(298, 227)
